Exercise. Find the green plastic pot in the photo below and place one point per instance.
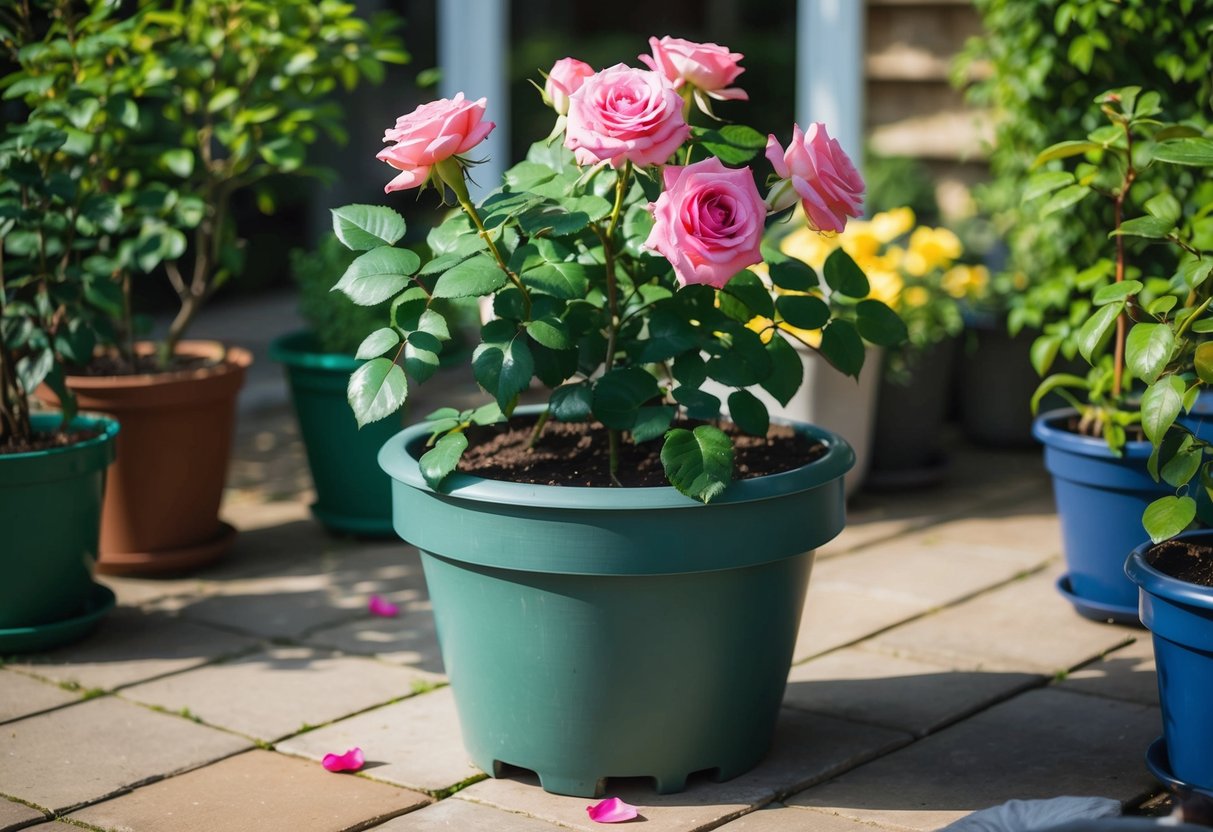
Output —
(617, 632)
(353, 496)
(50, 511)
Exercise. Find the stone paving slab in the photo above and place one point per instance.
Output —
(1030, 525)
(255, 790)
(463, 815)
(14, 815)
(21, 696)
(1023, 626)
(835, 616)
(808, 748)
(415, 743)
(780, 818)
(133, 644)
(1043, 743)
(278, 692)
(1125, 673)
(896, 692)
(83, 753)
(409, 638)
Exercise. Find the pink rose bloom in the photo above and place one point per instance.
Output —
(709, 222)
(566, 77)
(817, 171)
(623, 114)
(431, 134)
(705, 66)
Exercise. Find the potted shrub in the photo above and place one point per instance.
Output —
(353, 496)
(617, 262)
(1099, 452)
(222, 96)
(54, 217)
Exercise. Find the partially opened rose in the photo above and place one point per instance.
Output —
(622, 115)
(709, 222)
(815, 170)
(705, 66)
(565, 78)
(430, 134)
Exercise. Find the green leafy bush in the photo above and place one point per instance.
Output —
(338, 323)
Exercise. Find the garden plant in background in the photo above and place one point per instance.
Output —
(1138, 329)
(619, 259)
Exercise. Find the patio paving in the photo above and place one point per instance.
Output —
(937, 673)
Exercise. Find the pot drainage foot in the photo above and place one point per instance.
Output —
(576, 786)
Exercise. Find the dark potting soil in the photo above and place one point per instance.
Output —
(1184, 561)
(112, 365)
(577, 454)
(45, 441)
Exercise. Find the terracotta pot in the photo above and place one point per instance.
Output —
(161, 510)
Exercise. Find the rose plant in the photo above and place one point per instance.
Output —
(618, 259)
(1144, 334)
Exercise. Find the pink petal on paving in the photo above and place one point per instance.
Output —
(351, 760)
(381, 606)
(611, 810)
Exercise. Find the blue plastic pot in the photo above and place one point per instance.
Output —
(1180, 616)
(1100, 500)
(617, 632)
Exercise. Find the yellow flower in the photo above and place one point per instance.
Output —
(930, 249)
(915, 296)
(965, 281)
(763, 326)
(886, 285)
(808, 246)
(860, 241)
(887, 226)
(812, 337)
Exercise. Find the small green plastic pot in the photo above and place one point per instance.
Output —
(50, 513)
(353, 496)
(591, 633)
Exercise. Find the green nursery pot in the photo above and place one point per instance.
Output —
(353, 496)
(50, 514)
(617, 632)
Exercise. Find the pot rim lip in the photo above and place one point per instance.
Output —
(1162, 585)
(1049, 434)
(401, 466)
(109, 431)
(235, 359)
(286, 349)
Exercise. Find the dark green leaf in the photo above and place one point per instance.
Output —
(619, 394)
(744, 363)
(748, 413)
(503, 364)
(843, 275)
(698, 463)
(377, 389)
(793, 275)
(651, 423)
(1160, 404)
(1152, 228)
(803, 311)
(669, 335)
(551, 332)
(1191, 151)
(1183, 463)
(572, 402)
(690, 369)
(842, 347)
(698, 404)
(443, 458)
(564, 280)
(364, 227)
(377, 275)
(746, 291)
(474, 277)
(879, 324)
(421, 355)
(787, 370)
(377, 343)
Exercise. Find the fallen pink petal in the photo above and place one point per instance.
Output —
(351, 760)
(383, 607)
(611, 810)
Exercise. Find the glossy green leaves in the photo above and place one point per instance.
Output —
(698, 463)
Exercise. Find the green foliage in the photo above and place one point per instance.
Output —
(338, 323)
(1041, 63)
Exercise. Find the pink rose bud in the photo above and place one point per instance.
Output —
(709, 222)
(351, 760)
(623, 114)
(815, 170)
(378, 605)
(566, 77)
(431, 134)
(611, 810)
(706, 66)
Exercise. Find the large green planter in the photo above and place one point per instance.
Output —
(353, 496)
(617, 632)
(50, 514)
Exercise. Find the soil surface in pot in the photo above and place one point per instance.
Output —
(1184, 561)
(1133, 433)
(112, 365)
(576, 454)
(45, 441)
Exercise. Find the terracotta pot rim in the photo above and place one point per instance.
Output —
(234, 358)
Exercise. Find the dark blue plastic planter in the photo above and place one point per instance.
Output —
(1180, 615)
(617, 632)
(1100, 500)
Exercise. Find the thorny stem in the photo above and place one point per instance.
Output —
(621, 188)
(465, 203)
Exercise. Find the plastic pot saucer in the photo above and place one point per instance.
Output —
(1159, 765)
(46, 636)
(1097, 610)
